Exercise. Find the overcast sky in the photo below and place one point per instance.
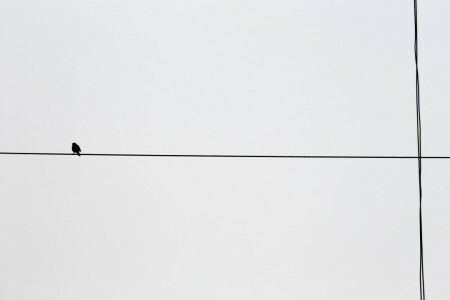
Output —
(221, 77)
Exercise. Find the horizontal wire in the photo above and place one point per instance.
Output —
(232, 155)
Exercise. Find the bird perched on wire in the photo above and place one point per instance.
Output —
(76, 149)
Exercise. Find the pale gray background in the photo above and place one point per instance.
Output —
(221, 77)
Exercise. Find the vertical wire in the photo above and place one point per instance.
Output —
(419, 156)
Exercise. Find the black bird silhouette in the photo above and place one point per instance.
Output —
(76, 149)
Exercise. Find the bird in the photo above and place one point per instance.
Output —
(76, 149)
